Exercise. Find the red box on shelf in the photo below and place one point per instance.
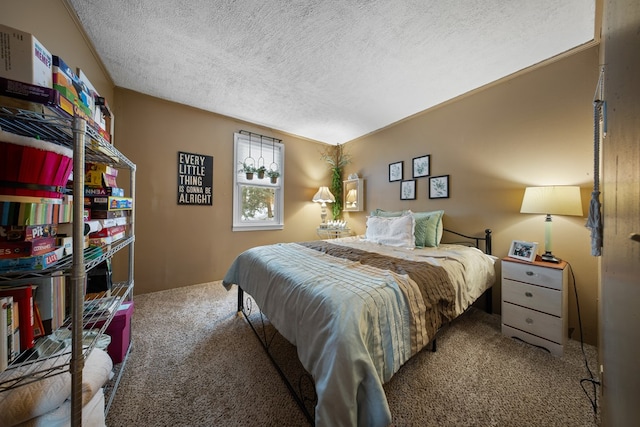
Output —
(120, 332)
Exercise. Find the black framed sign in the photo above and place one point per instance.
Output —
(195, 179)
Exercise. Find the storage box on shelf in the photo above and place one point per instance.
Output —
(88, 145)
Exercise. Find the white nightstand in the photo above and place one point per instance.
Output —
(534, 303)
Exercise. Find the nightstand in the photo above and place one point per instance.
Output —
(534, 303)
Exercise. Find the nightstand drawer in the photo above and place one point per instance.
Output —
(553, 347)
(528, 273)
(536, 297)
(531, 321)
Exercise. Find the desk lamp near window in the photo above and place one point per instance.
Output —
(553, 200)
(324, 196)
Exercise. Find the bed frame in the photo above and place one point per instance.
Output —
(304, 393)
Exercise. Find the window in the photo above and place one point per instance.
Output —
(258, 198)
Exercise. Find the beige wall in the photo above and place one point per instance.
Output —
(535, 129)
(178, 245)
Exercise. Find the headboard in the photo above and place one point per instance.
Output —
(473, 240)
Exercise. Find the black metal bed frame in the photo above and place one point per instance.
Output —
(305, 395)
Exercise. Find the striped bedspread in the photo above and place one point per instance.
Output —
(357, 311)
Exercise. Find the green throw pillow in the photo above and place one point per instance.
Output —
(427, 227)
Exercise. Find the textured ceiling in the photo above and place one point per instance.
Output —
(328, 70)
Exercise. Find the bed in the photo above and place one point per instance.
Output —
(358, 308)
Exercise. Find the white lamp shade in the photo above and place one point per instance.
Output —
(324, 196)
(554, 200)
(352, 195)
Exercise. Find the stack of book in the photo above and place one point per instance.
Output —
(107, 207)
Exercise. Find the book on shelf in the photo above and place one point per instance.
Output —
(28, 213)
(6, 331)
(38, 327)
(51, 300)
(23, 297)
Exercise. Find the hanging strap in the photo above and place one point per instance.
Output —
(594, 221)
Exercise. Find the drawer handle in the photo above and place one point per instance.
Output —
(529, 320)
(529, 273)
(528, 294)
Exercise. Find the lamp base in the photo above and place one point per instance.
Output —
(549, 257)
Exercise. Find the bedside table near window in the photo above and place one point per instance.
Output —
(534, 303)
(332, 233)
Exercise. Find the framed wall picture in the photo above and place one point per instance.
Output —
(408, 189)
(421, 166)
(395, 171)
(439, 187)
(525, 251)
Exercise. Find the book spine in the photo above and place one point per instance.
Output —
(4, 334)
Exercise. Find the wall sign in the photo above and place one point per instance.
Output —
(195, 179)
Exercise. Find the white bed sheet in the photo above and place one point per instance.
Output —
(351, 323)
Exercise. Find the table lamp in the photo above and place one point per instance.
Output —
(323, 196)
(553, 200)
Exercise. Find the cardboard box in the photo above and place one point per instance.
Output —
(34, 98)
(37, 262)
(120, 332)
(108, 203)
(24, 58)
(15, 249)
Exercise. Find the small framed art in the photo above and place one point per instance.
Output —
(525, 251)
(421, 166)
(395, 171)
(439, 187)
(408, 189)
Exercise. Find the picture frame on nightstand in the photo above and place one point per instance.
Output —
(525, 251)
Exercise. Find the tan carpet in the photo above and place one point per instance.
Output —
(196, 363)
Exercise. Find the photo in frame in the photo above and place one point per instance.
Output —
(421, 166)
(439, 187)
(525, 251)
(395, 171)
(408, 189)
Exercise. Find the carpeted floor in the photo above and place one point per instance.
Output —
(196, 363)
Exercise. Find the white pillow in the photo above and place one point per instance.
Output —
(391, 231)
(37, 398)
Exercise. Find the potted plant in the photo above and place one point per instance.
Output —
(273, 174)
(248, 170)
(261, 171)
